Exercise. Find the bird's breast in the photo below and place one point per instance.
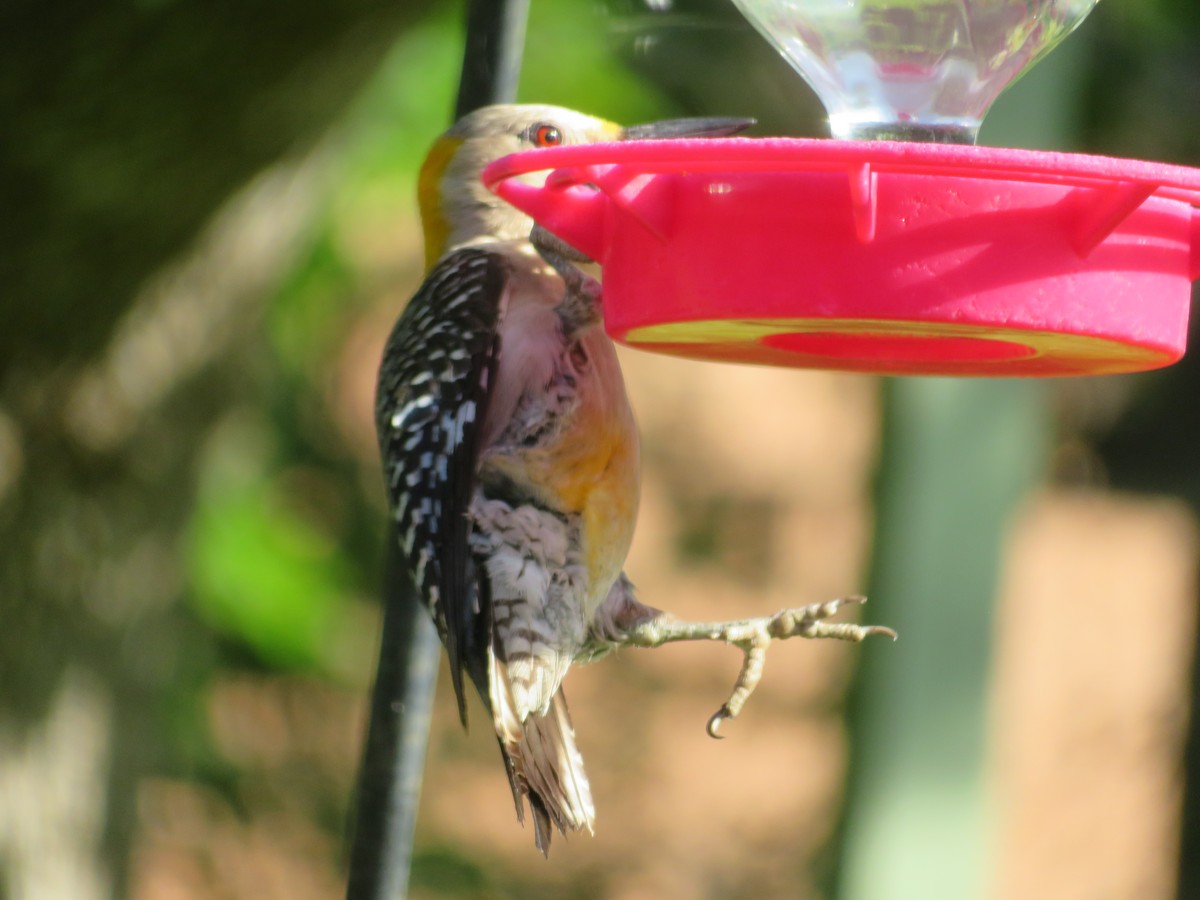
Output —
(572, 444)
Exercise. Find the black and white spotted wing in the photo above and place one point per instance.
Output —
(430, 402)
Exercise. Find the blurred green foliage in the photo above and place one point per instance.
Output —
(267, 577)
(125, 124)
(264, 573)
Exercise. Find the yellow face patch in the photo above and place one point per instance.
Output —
(609, 131)
(429, 197)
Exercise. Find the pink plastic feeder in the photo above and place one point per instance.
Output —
(877, 256)
(880, 255)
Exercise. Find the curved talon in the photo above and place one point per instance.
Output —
(884, 630)
(715, 721)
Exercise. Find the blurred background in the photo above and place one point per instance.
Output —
(207, 227)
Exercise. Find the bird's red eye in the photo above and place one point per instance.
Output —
(546, 136)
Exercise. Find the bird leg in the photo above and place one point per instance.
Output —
(635, 625)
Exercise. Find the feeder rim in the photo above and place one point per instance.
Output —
(575, 163)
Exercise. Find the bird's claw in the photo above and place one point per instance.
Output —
(549, 244)
(650, 628)
(715, 720)
(755, 635)
(582, 304)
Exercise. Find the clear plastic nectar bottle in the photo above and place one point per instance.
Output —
(916, 70)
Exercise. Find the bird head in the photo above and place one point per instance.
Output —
(456, 208)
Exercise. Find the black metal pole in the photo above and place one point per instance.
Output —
(492, 57)
(389, 784)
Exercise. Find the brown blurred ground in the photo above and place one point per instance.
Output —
(746, 510)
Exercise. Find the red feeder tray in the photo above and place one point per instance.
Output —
(885, 257)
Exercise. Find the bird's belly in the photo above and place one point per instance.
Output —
(598, 474)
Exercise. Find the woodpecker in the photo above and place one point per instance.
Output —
(510, 457)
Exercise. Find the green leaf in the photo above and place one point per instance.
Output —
(263, 576)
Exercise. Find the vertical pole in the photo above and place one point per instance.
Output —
(492, 58)
(1188, 872)
(959, 455)
(389, 786)
(389, 782)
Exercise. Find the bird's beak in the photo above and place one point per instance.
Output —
(713, 126)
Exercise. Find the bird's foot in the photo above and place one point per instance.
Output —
(554, 249)
(753, 636)
(582, 304)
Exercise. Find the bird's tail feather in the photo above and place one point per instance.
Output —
(544, 766)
